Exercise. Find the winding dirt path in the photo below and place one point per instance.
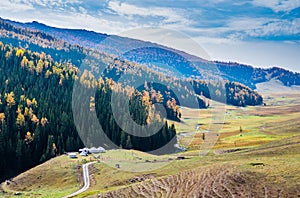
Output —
(86, 180)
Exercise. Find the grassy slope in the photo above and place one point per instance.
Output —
(55, 178)
(260, 125)
(229, 174)
(267, 136)
(270, 136)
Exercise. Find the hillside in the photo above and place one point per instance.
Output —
(249, 174)
(36, 111)
(256, 172)
(251, 76)
(160, 57)
(112, 67)
(264, 161)
(38, 76)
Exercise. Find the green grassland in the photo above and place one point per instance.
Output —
(260, 125)
(55, 178)
(265, 155)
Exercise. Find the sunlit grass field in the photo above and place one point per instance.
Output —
(243, 127)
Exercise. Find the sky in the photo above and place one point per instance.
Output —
(261, 33)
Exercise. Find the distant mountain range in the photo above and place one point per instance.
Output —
(170, 61)
(165, 59)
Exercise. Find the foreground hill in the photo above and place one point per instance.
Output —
(261, 171)
(244, 174)
(171, 61)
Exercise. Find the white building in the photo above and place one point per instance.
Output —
(92, 150)
(97, 150)
(83, 153)
(72, 155)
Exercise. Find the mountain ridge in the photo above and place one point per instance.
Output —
(117, 67)
(190, 66)
(186, 64)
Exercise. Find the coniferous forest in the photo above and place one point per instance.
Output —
(36, 114)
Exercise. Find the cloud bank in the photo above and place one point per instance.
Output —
(210, 23)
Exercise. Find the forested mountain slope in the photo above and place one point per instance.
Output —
(36, 110)
(116, 67)
(171, 61)
(37, 77)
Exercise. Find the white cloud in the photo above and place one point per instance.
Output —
(64, 18)
(239, 24)
(85, 21)
(14, 6)
(278, 5)
(222, 41)
(169, 15)
(51, 3)
(243, 28)
(277, 28)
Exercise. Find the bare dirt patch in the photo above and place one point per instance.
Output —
(269, 111)
(221, 181)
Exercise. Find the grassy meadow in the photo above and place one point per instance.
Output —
(254, 154)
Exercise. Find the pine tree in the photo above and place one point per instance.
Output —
(128, 142)
(20, 154)
(123, 140)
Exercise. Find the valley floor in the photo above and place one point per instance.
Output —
(256, 154)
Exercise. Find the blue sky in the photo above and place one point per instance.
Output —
(258, 32)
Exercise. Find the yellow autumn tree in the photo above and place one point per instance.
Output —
(146, 98)
(2, 117)
(22, 97)
(27, 112)
(31, 66)
(24, 62)
(8, 54)
(34, 102)
(10, 99)
(34, 119)
(20, 53)
(44, 121)
(48, 73)
(28, 102)
(20, 120)
(39, 67)
(28, 137)
(19, 109)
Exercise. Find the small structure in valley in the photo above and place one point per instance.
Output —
(84, 153)
(86, 150)
(99, 150)
(92, 150)
(72, 155)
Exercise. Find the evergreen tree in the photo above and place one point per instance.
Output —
(128, 142)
